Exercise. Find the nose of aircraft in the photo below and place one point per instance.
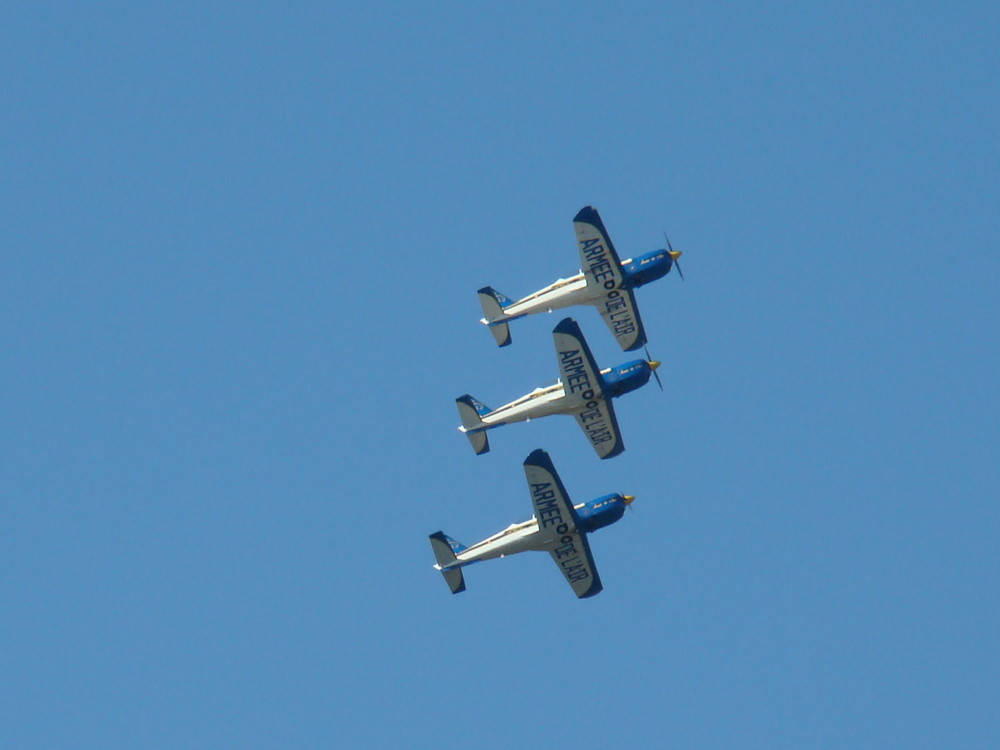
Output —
(628, 499)
(674, 256)
(653, 364)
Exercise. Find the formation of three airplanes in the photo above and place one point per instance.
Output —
(559, 527)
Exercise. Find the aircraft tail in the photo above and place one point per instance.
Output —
(445, 549)
(470, 411)
(493, 303)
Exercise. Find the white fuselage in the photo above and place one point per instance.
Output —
(518, 537)
(541, 402)
(562, 293)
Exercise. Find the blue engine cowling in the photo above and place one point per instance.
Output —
(599, 513)
(626, 377)
(645, 268)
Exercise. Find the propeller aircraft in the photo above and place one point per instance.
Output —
(605, 282)
(583, 391)
(558, 527)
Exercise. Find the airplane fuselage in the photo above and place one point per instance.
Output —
(552, 399)
(574, 291)
(526, 535)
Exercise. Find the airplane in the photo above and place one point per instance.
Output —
(583, 391)
(605, 282)
(558, 527)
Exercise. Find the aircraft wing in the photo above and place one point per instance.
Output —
(581, 378)
(600, 425)
(620, 312)
(574, 559)
(600, 263)
(554, 511)
(577, 368)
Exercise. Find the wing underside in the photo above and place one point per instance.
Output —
(554, 513)
(553, 509)
(572, 555)
(600, 425)
(582, 381)
(577, 369)
(598, 258)
(620, 312)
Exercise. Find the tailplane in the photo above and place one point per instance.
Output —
(445, 549)
(493, 303)
(470, 411)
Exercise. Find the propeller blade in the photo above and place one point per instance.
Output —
(675, 254)
(653, 364)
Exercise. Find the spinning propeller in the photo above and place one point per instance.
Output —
(653, 364)
(674, 254)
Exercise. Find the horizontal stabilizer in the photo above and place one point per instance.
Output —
(501, 333)
(469, 411)
(493, 303)
(444, 551)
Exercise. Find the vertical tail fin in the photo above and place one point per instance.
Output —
(493, 303)
(469, 411)
(444, 551)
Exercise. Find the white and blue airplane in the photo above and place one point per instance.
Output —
(605, 282)
(558, 527)
(583, 391)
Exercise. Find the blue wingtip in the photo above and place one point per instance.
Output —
(594, 590)
(538, 457)
(568, 325)
(619, 449)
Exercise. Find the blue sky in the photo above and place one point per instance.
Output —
(241, 249)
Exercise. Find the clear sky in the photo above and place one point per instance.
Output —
(240, 249)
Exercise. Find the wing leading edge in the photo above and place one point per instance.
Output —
(582, 380)
(554, 512)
